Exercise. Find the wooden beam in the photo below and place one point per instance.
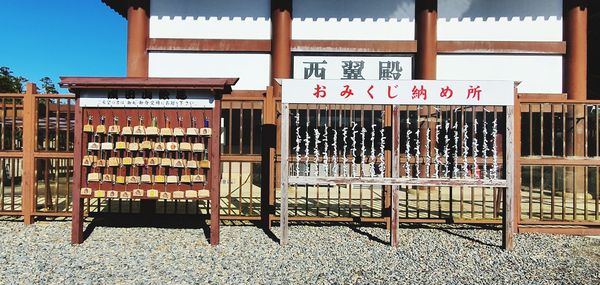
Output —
(209, 45)
(281, 41)
(502, 47)
(396, 181)
(285, 137)
(354, 46)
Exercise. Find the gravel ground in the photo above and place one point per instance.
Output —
(444, 254)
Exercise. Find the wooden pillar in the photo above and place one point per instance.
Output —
(575, 85)
(575, 36)
(281, 41)
(28, 179)
(425, 65)
(426, 36)
(281, 67)
(138, 32)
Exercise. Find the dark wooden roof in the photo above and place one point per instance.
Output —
(214, 84)
(121, 6)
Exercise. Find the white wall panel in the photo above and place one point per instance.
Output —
(539, 74)
(252, 69)
(353, 20)
(500, 20)
(208, 19)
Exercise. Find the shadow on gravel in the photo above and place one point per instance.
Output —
(151, 221)
(451, 228)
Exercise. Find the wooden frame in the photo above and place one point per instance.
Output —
(396, 181)
(211, 169)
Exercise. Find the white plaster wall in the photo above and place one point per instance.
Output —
(252, 69)
(500, 20)
(539, 74)
(353, 20)
(208, 19)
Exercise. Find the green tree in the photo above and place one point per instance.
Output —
(10, 83)
(48, 86)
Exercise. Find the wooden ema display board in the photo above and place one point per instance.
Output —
(350, 153)
(166, 146)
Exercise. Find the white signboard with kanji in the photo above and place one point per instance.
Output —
(119, 98)
(399, 92)
(353, 68)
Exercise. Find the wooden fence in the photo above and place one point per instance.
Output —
(559, 168)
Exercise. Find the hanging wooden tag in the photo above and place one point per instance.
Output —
(159, 179)
(186, 179)
(178, 195)
(85, 191)
(166, 162)
(139, 161)
(192, 164)
(185, 146)
(207, 132)
(198, 147)
(127, 160)
(198, 178)
(121, 145)
(101, 129)
(191, 194)
(165, 196)
(114, 129)
(205, 164)
(146, 145)
(93, 177)
(179, 163)
(152, 193)
(108, 178)
(172, 146)
(178, 132)
(133, 180)
(101, 163)
(125, 195)
(172, 179)
(152, 131)
(93, 146)
(114, 161)
(99, 194)
(127, 131)
(204, 193)
(89, 160)
(166, 132)
(146, 178)
(88, 129)
(133, 146)
(112, 194)
(137, 193)
(159, 146)
(153, 161)
(192, 132)
(139, 130)
(120, 179)
(107, 146)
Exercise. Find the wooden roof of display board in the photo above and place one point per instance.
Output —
(213, 84)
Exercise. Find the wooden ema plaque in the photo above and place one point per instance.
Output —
(147, 139)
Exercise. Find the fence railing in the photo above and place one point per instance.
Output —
(560, 161)
(559, 167)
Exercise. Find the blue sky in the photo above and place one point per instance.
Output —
(62, 38)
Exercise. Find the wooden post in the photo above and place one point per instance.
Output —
(517, 162)
(138, 32)
(269, 133)
(285, 137)
(77, 212)
(575, 85)
(28, 183)
(215, 173)
(395, 174)
(426, 35)
(509, 205)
